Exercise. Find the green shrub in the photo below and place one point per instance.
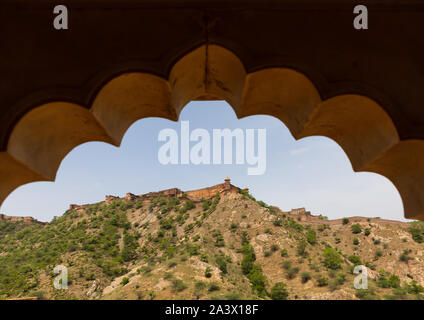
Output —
(262, 204)
(208, 272)
(213, 287)
(322, 281)
(305, 276)
(365, 294)
(301, 248)
(355, 241)
(40, 295)
(399, 294)
(286, 265)
(414, 288)
(249, 258)
(311, 236)
(370, 265)
(188, 205)
(404, 257)
(355, 260)
(390, 282)
(378, 254)
(332, 259)
(284, 253)
(314, 267)
(417, 231)
(341, 278)
(233, 226)
(204, 257)
(345, 221)
(222, 264)
(193, 250)
(199, 285)
(124, 281)
(278, 222)
(258, 280)
(292, 272)
(89, 277)
(251, 270)
(233, 296)
(279, 291)
(178, 285)
(219, 241)
(206, 204)
(356, 228)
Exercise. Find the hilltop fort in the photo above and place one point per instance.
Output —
(194, 195)
(198, 195)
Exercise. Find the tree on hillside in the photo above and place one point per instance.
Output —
(311, 236)
(332, 259)
(279, 291)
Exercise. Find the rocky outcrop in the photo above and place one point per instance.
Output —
(93, 288)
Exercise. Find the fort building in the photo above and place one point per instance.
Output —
(195, 195)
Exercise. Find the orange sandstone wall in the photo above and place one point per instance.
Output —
(210, 191)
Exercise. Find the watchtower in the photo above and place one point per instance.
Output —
(227, 184)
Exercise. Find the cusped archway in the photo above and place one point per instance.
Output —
(44, 135)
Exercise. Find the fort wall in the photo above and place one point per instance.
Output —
(4, 217)
(210, 192)
(194, 195)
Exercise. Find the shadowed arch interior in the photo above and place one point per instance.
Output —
(43, 136)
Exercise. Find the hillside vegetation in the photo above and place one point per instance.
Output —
(227, 247)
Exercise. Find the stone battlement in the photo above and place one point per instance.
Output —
(211, 192)
(301, 214)
(4, 217)
(194, 195)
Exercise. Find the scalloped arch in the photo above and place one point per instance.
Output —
(43, 136)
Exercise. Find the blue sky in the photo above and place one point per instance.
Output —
(313, 172)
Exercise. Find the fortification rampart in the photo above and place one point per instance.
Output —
(4, 217)
(195, 195)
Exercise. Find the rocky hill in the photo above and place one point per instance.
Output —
(213, 243)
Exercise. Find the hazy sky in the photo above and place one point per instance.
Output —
(312, 172)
